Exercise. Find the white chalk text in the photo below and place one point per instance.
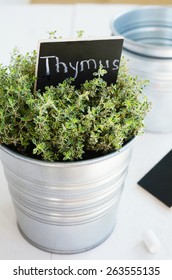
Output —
(77, 66)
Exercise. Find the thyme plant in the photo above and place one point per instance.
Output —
(65, 123)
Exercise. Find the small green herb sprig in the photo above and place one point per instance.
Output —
(65, 123)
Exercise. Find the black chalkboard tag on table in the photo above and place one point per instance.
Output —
(79, 59)
(158, 181)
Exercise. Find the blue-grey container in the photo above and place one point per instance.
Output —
(147, 32)
(66, 207)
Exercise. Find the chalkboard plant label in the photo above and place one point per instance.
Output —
(79, 59)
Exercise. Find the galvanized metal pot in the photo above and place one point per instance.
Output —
(147, 32)
(66, 207)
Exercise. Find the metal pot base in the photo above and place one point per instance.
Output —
(66, 239)
(64, 252)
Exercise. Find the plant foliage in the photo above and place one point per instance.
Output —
(65, 123)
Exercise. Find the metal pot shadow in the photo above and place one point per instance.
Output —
(66, 207)
(147, 32)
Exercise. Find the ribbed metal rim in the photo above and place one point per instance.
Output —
(142, 48)
(66, 164)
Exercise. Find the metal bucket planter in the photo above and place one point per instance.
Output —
(66, 207)
(147, 33)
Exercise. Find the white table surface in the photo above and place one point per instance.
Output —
(138, 211)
